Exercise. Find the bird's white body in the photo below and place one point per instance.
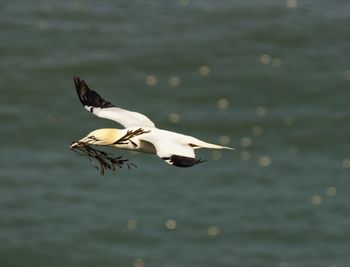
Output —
(172, 147)
(153, 141)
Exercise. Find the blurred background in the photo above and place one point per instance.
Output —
(270, 78)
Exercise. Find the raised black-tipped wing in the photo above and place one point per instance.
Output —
(89, 97)
(94, 103)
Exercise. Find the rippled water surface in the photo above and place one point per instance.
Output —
(270, 78)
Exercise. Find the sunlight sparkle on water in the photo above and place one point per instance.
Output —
(316, 200)
(346, 163)
(139, 262)
(151, 80)
(284, 264)
(331, 191)
(346, 75)
(224, 140)
(174, 117)
(204, 70)
(260, 111)
(257, 130)
(213, 231)
(291, 4)
(246, 142)
(131, 224)
(170, 224)
(265, 59)
(174, 81)
(265, 161)
(223, 103)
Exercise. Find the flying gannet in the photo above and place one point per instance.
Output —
(174, 148)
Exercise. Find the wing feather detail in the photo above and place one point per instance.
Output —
(173, 152)
(94, 103)
(177, 154)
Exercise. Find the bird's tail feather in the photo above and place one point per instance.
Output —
(202, 144)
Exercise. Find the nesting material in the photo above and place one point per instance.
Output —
(102, 160)
(106, 161)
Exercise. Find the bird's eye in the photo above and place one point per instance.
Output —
(93, 138)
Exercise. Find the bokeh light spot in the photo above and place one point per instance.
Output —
(174, 81)
(170, 224)
(346, 163)
(151, 80)
(284, 264)
(346, 75)
(213, 231)
(131, 224)
(174, 117)
(316, 200)
(223, 103)
(265, 161)
(265, 59)
(257, 130)
(246, 142)
(260, 111)
(224, 140)
(291, 4)
(331, 191)
(204, 70)
(139, 262)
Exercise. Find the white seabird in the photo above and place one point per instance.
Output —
(174, 148)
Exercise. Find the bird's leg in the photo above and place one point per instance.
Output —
(130, 134)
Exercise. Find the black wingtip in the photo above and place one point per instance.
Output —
(89, 97)
(182, 161)
(81, 88)
(77, 82)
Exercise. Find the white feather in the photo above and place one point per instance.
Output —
(124, 117)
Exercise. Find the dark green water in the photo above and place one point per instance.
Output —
(270, 78)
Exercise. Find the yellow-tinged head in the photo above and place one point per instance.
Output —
(100, 137)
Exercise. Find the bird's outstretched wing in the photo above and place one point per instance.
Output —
(175, 153)
(179, 155)
(94, 103)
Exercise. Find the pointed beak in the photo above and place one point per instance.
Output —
(81, 142)
(74, 145)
